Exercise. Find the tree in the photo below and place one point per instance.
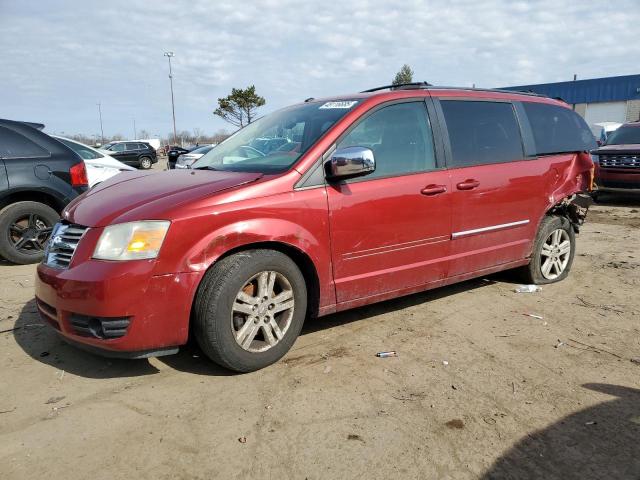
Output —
(405, 75)
(240, 107)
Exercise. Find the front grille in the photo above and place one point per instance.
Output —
(100, 327)
(620, 161)
(62, 244)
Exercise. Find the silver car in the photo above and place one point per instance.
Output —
(187, 159)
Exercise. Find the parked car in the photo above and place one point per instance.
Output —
(604, 129)
(173, 153)
(138, 154)
(618, 161)
(100, 166)
(39, 176)
(391, 192)
(186, 159)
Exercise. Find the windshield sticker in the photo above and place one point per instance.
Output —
(342, 104)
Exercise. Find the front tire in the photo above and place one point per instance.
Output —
(145, 163)
(553, 252)
(25, 228)
(249, 309)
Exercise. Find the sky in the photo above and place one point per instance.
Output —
(61, 58)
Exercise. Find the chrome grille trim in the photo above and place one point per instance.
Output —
(62, 244)
(620, 161)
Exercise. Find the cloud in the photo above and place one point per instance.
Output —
(60, 59)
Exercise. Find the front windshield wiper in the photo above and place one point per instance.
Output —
(208, 167)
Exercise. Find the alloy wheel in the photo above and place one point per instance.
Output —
(262, 311)
(555, 254)
(29, 233)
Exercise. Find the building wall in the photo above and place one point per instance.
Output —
(581, 109)
(633, 110)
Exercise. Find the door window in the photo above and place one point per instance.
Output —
(118, 147)
(131, 147)
(400, 137)
(482, 132)
(14, 145)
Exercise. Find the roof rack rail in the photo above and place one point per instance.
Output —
(499, 90)
(400, 86)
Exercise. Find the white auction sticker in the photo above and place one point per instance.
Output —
(341, 104)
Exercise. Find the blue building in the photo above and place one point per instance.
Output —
(598, 100)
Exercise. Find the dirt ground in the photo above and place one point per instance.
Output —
(479, 390)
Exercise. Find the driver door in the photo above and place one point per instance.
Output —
(391, 229)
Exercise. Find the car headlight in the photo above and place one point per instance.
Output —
(131, 241)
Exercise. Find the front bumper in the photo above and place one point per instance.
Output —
(617, 179)
(156, 307)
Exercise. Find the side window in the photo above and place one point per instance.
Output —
(557, 129)
(400, 137)
(118, 147)
(14, 145)
(131, 146)
(85, 152)
(482, 132)
(141, 146)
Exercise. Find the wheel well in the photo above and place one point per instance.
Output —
(301, 259)
(31, 196)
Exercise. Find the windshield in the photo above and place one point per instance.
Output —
(624, 136)
(201, 150)
(274, 143)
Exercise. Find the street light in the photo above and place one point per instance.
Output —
(173, 108)
(101, 130)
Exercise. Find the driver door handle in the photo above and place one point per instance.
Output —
(433, 189)
(468, 184)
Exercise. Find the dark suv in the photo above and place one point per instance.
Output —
(138, 154)
(618, 161)
(39, 176)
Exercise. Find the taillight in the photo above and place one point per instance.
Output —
(79, 175)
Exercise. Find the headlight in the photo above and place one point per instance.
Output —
(131, 241)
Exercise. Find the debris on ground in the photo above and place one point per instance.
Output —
(559, 344)
(8, 411)
(54, 400)
(353, 436)
(591, 423)
(327, 369)
(387, 354)
(44, 354)
(455, 424)
(635, 360)
(585, 303)
(242, 439)
(533, 315)
(527, 289)
(445, 363)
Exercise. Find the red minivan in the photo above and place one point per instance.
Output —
(365, 197)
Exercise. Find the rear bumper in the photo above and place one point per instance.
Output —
(155, 308)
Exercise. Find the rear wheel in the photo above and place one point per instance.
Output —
(249, 309)
(145, 163)
(25, 228)
(553, 252)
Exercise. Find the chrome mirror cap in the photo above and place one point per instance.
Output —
(350, 162)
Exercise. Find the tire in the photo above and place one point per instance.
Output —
(218, 324)
(36, 221)
(145, 163)
(545, 249)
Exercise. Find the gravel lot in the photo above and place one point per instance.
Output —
(479, 389)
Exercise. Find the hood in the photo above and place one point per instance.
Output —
(618, 149)
(132, 196)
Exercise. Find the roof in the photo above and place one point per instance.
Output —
(594, 90)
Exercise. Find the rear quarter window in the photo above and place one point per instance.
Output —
(15, 145)
(482, 132)
(558, 129)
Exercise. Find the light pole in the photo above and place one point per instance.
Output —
(173, 108)
(135, 133)
(101, 130)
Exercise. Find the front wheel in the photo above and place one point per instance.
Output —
(145, 163)
(249, 309)
(553, 252)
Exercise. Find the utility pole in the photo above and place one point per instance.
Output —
(101, 129)
(135, 133)
(173, 108)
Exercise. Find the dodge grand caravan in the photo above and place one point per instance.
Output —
(390, 192)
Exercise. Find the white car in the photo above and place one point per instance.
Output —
(187, 159)
(100, 166)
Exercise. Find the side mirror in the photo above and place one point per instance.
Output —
(350, 162)
(599, 142)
